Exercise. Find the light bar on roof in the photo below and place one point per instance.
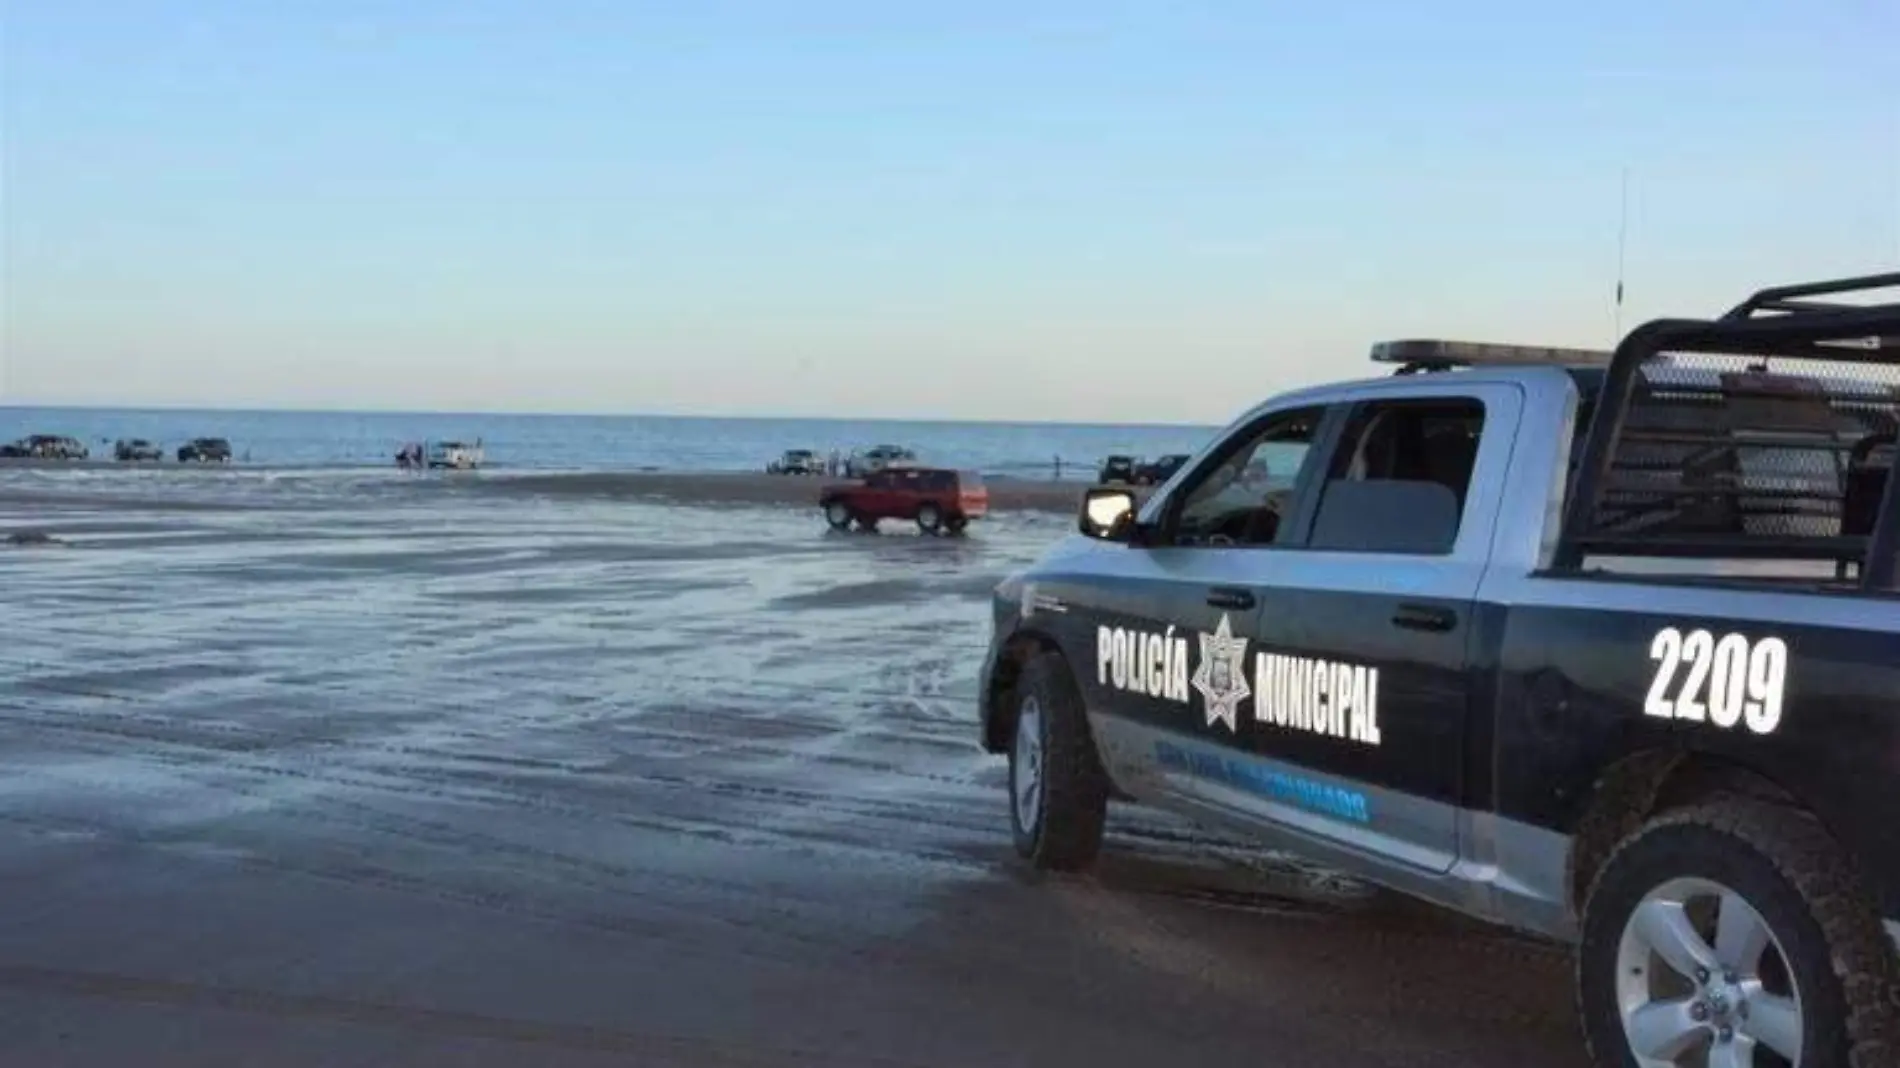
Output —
(1482, 354)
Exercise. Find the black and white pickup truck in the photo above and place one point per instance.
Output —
(1601, 646)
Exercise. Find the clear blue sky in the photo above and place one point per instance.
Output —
(1078, 210)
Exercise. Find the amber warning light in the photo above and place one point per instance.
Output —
(1436, 354)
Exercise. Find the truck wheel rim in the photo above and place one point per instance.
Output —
(1702, 979)
(1027, 765)
(837, 514)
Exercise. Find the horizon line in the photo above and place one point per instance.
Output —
(547, 414)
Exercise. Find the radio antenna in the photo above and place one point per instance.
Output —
(1622, 249)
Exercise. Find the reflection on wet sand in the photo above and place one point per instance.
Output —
(375, 771)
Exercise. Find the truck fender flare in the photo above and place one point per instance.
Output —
(1634, 788)
(998, 712)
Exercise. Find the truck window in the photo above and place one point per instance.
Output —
(1243, 499)
(1398, 480)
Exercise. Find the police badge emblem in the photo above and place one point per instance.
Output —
(1221, 676)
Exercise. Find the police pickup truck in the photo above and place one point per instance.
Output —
(1600, 646)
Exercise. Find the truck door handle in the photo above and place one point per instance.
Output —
(1230, 597)
(1424, 617)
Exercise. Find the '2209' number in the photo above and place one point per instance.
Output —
(1743, 680)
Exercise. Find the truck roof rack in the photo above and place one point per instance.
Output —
(1793, 299)
(1418, 355)
(1785, 324)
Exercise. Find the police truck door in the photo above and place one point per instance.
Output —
(1363, 676)
(1175, 617)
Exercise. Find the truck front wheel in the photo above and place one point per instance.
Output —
(1058, 794)
(1735, 934)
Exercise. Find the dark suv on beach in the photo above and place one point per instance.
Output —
(1117, 468)
(205, 450)
(1601, 646)
(1155, 472)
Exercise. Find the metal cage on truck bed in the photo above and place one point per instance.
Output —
(1768, 433)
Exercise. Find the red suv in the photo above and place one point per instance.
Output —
(939, 499)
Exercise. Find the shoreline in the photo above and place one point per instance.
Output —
(1006, 494)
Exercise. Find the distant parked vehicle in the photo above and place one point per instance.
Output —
(1159, 470)
(136, 449)
(455, 455)
(797, 462)
(876, 458)
(937, 499)
(1117, 468)
(205, 451)
(46, 447)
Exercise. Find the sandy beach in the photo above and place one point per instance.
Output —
(327, 768)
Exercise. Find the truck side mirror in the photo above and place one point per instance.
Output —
(1107, 514)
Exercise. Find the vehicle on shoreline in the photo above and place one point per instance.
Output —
(1599, 646)
(1135, 471)
(863, 462)
(136, 450)
(797, 462)
(938, 499)
(455, 455)
(1160, 469)
(1118, 467)
(46, 447)
(205, 451)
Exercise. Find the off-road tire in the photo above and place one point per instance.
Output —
(1067, 832)
(1811, 895)
(838, 515)
(929, 519)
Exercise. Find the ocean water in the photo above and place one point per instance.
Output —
(605, 442)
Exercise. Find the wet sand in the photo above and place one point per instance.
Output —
(744, 488)
(418, 772)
